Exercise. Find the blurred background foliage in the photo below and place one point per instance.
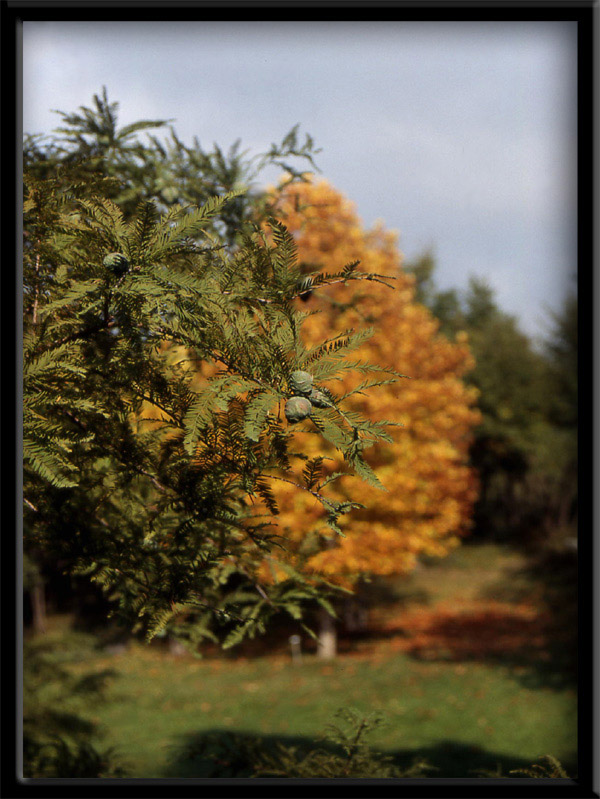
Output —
(514, 435)
(525, 449)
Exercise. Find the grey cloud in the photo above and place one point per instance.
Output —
(460, 136)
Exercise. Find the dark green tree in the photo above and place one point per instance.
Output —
(167, 170)
(89, 145)
(527, 396)
(151, 480)
(562, 353)
(445, 305)
(562, 348)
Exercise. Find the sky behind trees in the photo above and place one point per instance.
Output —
(459, 136)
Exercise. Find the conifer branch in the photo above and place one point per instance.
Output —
(316, 494)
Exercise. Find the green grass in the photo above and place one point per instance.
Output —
(157, 702)
(470, 572)
(462, 717)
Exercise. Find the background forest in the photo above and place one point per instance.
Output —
(404, 541)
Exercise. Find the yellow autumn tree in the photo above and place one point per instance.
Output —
(429, 488)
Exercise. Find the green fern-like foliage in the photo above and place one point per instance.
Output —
(351, 756)
(548, 766)
(134, 474)
(163, 170)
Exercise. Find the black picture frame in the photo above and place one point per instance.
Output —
(584, 14)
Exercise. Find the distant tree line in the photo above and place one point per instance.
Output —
(525, 449)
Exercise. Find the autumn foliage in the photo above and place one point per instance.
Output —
(430, 489)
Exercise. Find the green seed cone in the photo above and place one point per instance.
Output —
(319, 399)
(297, 408)
(117, 263)
(301, 382)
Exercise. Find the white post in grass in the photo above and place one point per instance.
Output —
(327, 646)
(296, 646)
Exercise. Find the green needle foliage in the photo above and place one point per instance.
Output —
(547, 767)
(347, 754)
(155, 486)
(167, 171)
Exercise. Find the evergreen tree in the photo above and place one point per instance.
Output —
(562, 352)
(444, 305)
(167, 171)
(522, 452)
(562, 348)
(59, 737)
(162, 348)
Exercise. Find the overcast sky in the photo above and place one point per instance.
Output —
(459, 136)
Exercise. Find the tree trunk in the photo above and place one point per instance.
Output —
(327, 646)
(38, 607)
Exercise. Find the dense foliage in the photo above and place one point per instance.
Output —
(59, 735)
(525, 449)
(208, 369)
(160, 347)
(423, 464)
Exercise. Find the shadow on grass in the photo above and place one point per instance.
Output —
(225, 753)
(526, 622)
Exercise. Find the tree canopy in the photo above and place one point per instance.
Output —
(524, 449)
(161, 341)
(423, 462)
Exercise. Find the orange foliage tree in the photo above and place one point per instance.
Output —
(430, 489)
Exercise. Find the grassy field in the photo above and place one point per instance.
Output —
(456, 664)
